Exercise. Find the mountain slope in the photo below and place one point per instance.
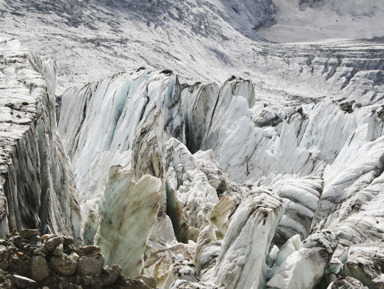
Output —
(201, 41)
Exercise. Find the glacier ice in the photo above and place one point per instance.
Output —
(241, 186)
(37, 185)
(305, 267)
(242, 259)
(201, 185)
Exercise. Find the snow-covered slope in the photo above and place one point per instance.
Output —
(196, 37)
(208, 41)
(319, 20)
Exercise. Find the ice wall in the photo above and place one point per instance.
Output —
(37, 186)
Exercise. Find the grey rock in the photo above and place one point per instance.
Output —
(39, 268)
(148, 280)
(5, 243)
(16, 263)
(5, 279)
(91, 265)
(74, 256)
(347, 283)
(33, 246)
(18, 241)
(46, 237)
(91, 282)
(52, 243)
(28, 233)
(59, 250)
(64, 265)
(3, 258)
(70, 248)
(68, 240)
(109, 275)
(22, 282)
(44, 250)
(35, 238)
(86, 250)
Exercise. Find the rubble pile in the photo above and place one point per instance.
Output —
(28, 260)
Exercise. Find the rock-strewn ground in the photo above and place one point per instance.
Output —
(28, 260)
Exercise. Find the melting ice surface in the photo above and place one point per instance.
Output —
(208, 187)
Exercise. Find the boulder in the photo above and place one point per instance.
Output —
(148, 280)
(64, 264)
(86, 250)
(59, 250)
(39, 268)
(109, 275)
(52, 243)
(68, 240)
(91, 282)
(28, 233)
(18, 241)
(91, 265)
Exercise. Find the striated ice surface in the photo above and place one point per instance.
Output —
(37, 188)
(269, 179)
(239, 193)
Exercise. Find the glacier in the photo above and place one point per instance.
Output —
(195, 150)
(235, 177)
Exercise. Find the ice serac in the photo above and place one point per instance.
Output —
(37, 186)
(365, 263)
(120, 236)
(190, 194)
(243, 255)
(301, 197)
(323, 159)
(126, 151)
(131, 195)
(199, 101)
(98, 121)
(305, 268)
(358, 165)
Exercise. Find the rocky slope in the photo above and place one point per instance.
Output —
(50, 261)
